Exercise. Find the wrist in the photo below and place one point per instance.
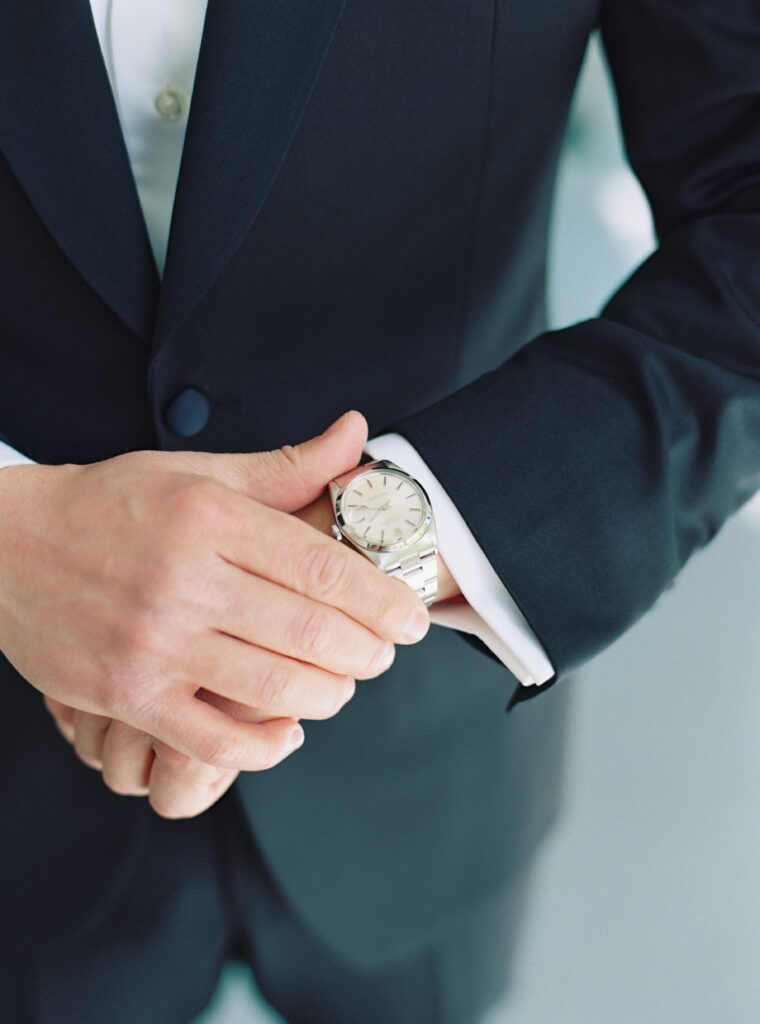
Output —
(25, 498)
(320, 515)
(447, 585)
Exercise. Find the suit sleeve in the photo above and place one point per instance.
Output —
(10, 457)
(487, 610)
(592, 464)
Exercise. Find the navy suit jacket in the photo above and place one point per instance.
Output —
(361, 221)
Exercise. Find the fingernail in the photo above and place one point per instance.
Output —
(417, 626)
(296, 738)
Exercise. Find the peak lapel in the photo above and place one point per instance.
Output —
(257, 67)
(60, 133)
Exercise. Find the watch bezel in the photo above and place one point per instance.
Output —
(359, 542)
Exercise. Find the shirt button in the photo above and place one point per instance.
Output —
(170, 104)
(188, 412)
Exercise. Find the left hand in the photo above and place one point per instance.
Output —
(133, 763)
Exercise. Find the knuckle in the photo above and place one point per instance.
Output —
(291, 457)
(395, 603)
(222, 752)
(275, 687)
(251, 754)
(324, 571)
(280, 462)
(311, 633)
(194, 504)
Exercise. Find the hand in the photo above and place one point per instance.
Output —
(128, 586)
(135, 764)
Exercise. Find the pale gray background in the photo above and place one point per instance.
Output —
(646, 905)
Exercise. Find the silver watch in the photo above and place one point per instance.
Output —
(386, 515)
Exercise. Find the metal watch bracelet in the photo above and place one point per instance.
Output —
(418, 569)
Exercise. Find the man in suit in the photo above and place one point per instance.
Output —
(360, 222)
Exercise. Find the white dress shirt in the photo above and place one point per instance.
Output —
(150, 49)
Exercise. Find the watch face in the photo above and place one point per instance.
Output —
(383, 509)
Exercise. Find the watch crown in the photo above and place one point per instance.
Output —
(335, 531)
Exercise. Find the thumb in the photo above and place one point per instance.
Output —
(291, 477)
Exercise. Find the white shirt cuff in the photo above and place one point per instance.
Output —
(490, 612)
(10, 457)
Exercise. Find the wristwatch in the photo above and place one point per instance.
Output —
(385, 514)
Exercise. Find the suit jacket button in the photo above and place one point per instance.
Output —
(188, 412)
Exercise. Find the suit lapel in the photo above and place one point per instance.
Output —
(258, 64)
(60, 133)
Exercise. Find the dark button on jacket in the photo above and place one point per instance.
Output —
(188, 412)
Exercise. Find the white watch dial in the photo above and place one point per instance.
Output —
(382, 508)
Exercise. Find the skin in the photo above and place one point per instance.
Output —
(179, 621)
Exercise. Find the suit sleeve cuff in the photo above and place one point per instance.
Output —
(490, 611)
(10, 457)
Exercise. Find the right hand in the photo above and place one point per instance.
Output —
(128, 586)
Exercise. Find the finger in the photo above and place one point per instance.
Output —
(275, 685)
(242, 712)
(127, 759)
(89, 736)
(63, 716)
(272, 617)
(284, 550)
(193, 727)
(293, 476)
(182, 787)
